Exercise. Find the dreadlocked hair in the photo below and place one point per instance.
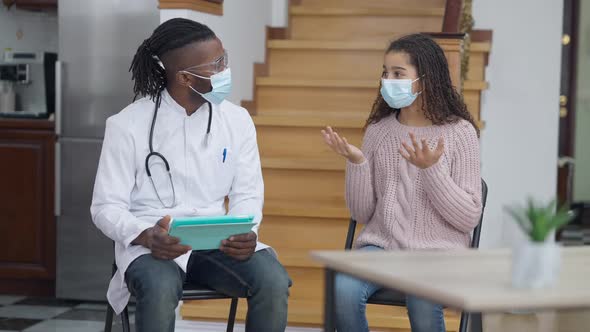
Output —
(146, 71)
(442, 104)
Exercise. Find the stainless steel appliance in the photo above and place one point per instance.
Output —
(97, 41)
(31, 76)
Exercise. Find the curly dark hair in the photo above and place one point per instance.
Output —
(443, 103)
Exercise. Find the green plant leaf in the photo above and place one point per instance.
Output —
(562, 217)
(545, 215)
(535, 216)
(531, 212)
(521, 219)
(539, 220)
(541, 228)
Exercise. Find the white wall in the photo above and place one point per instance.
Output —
(38, 30)
(242, 30)
(519, 143)
(280, 13)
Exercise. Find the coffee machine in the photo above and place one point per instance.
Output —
(28, 87)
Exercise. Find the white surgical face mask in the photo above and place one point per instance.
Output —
(397, 93)
(220, 83)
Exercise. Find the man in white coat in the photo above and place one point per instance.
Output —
(179, 151)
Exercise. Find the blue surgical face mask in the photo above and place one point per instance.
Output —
(221, 86)
(398, 93)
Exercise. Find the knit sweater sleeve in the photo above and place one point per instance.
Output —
(360, 187)
(456, 193)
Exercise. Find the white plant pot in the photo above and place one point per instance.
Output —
(535, 265)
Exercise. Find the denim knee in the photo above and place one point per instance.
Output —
(272, 285)
(156, 281)
(350, 294)
(425, 316)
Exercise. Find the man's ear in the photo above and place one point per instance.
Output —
(183, 78)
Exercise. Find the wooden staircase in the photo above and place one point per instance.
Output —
(325, 70)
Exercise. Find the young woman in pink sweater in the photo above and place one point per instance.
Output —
(415, 183)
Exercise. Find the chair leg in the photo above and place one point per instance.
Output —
(125, 320)
(108, 322)
(464, 322)
(232, 314)
(476, 322)
(329, 301)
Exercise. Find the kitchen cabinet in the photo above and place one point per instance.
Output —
(36, 4)
(27, 207)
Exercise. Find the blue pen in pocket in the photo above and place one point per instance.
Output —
(224, 154)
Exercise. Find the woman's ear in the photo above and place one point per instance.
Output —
(419, 85)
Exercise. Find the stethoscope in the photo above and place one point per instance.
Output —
(161, 157)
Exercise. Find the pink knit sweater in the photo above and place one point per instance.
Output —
(405, 207)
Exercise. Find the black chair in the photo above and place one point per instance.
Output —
(189, 292)
(394, 298)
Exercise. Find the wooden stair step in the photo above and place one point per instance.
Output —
(478, 60)
(306, 83)
(275, 99)
(372, 84)
(341, 60)
(296, 257)
(310, 118)
(357, 45)
(296, 209)
(328, 234)
(365, 45)
(374, 3)
(325, 64)
(303, 148)
(304, 193)
(307, 164)
(480, 47)
(359, 11)
(317, 23)
(315, 119)
(309, 311)
(335, 45)
(286, 55)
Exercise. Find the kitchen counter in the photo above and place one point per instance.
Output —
(36, 124)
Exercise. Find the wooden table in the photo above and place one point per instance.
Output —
(468, 280)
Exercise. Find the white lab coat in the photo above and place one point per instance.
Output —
(124, 202)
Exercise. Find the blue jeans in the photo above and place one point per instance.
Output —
(157, 287)
(351, 302)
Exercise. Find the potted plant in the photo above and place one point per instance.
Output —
(536, 262)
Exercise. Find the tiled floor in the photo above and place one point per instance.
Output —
(50, 315)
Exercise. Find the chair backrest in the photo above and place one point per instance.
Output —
(476, 231)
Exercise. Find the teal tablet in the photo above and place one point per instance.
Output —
(189, 221)
(205, 233)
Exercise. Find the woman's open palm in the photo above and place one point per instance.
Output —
(420, 155)
(341, 146)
